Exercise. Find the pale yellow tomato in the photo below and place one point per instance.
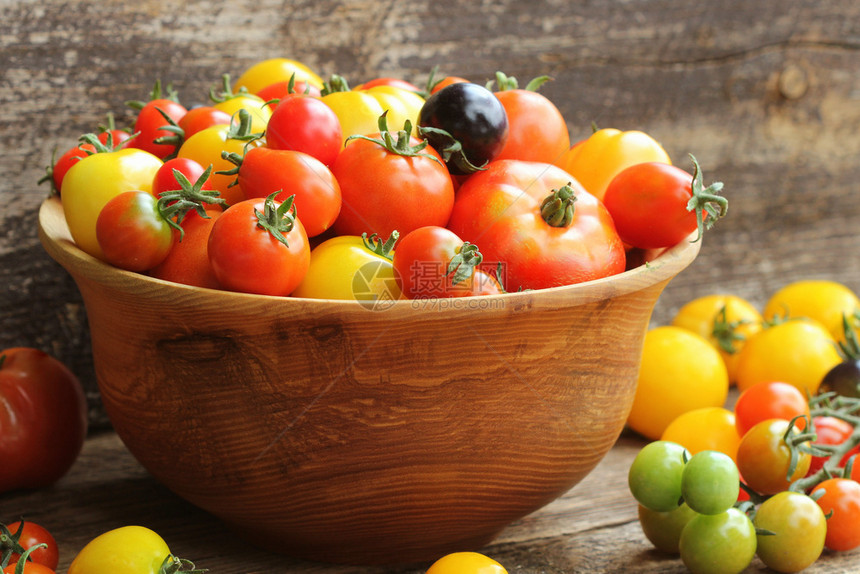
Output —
(267, 72)
(680, 372)
(823, 300)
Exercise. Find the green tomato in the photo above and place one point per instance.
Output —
(799, 528)
(710, 483)
(722, 543)
(663, 529)
(655, 475)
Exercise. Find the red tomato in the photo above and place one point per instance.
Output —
(188, 260)
(258, 246)
(150, 125)
(445, 82)
(43, 419)
(28, 568)
(29, 534)
(264, 171)
(282, 89)
(393, 82)
(385, 189)
(132, 233)
(505, 208)
(649, 203)
(770, 400)
(432, 262)
(306, 124)
(833, 432)
(200, 118)
(840, 502)
(165, 179)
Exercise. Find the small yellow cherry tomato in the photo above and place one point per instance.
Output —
(254, 105)
(708, 428)
(822, 300)
(680, 371)
(267, 72)
(126, 550)
(724, 320)
(466, 563)
(798, 351)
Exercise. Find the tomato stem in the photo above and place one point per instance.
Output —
(174, 565)
(278, 220)
(375, 244)
(505, 83)
(726, 333)
(462, 265)
(401, 144)
(174, 205)
(558, 208)
(9, 543)
(706, 202)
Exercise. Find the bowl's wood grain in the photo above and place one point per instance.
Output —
(333, 432)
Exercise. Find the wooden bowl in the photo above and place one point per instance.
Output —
(330, 431)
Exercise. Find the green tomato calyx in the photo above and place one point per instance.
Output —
(505, 83)
(278, 220)
(375, 244)
(558, 208)
(462, 265)
(175, 565)
(706, 202)
(174, 205)
(398, 144)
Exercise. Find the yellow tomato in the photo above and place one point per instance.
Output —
(126, 550)
(798, 351)
(466, 563)
(598, 159)
(267, 72)
(724, 320)
(822, 300)
(401, 104)
(254, 105)
(680, 372)
(708, 428)
(358, 112)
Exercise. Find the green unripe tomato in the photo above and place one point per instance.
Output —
(722, 543)
(710, 483)
(663, 529)
(655, 475)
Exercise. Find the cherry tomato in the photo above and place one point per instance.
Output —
(722, 543)
(132, 233)
(707, 428)
(769, 400)
(798, 528)
(393, 82)
(357, 111)
(28, 535)
(188, 259)
(764, 458)
(663, 529)
(710, 482)
(833, 432)
(798, 351)
(651, 204)
(165, 179)
(679, 372)
(727, 321)
(27, 568)
(267, 72)
(259, 246)
(306, 124)
(544, 229)
(387, 187)
(435, 86)
(200, 118)
(822, 300)
(469, 121)
(150, 123)
(655, 476)
(839, 498)
(466, 563)
(277, 91)
(43, 419)
(597, 160)
(128, 549)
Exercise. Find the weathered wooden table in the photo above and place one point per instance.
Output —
(593, 528)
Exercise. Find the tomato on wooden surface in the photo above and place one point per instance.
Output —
(130, 550)
(798, 528)
(770, 400)
(391, 181)
(132, 232)
(663, 529)
(259, 246)
(656, 474)
(267, 72)
(17, 537)
(765, 459)
(679, 372)
(656, 205)
(595, 161)
(543, 228)
(466, 563)
(707, 428)
(722, 543)
(306, 124)
(822, 300)
(43, 419)
(839, 498)
(94, 180)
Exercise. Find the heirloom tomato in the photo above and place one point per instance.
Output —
(765, 459)
(797, 351)
(726, 321)
(391, 182)
(598, 159)
(770, 400)
(349, 267)
(95, 179)
(679, 372)
(543, 228)
(466, 563)
(43, 419)
(797, 528)
(23, 535)
(132, 232)
(305, 124)
(259, 246)
(822, 300)
(839, 498)
(266, 72)
(536, 129)
(432, 262)
(262, 171)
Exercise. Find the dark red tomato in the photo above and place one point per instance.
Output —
(650, 203)
(536, 129)
(43, 419)
(432, 262)
(150, 125)
(281, 90)
(770, 400)
(132, 233)
(830, 431)
(200, 118)
(544, 232)
(385, 190)
(30, 535)
(258, 246)
(840, 501)
(393, 82)
(264, 171)
(188, 260)
(305, 124)
(165, 178)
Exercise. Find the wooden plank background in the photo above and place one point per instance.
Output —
(766, 94)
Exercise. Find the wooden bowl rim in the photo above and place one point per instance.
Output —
(56, 239)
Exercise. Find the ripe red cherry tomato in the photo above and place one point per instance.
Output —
(150, 124)
(769, 400)
(188, 260)
(132, 233)
(305, 124)
(840, 501)
(28, 535)
(200, 118)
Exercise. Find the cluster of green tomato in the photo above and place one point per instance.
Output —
(688, 505)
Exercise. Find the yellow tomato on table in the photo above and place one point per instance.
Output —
(466, 563)
(126, 550)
